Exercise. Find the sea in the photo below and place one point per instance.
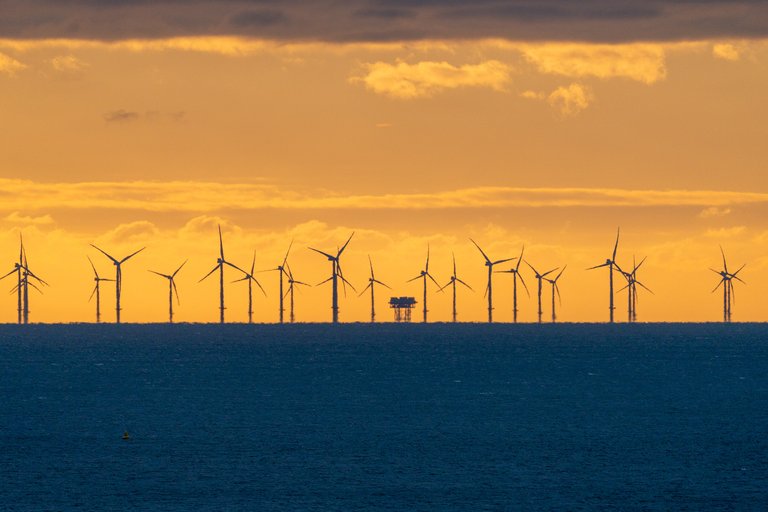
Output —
(400, 417)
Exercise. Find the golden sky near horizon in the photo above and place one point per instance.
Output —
(139, 141)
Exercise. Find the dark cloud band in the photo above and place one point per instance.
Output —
(385, 20)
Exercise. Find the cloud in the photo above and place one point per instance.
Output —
(120, 116)
(19, 219)
(67, 64)
(136, 231)
(641, 62)
(714, 211)
(386, 20)
(570, 100)
(210, 197)
(726, 51)
(10, 66)
(726, 232)
(423, 79)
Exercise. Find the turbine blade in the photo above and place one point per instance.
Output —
(258, 284)
(323, 282)
(382, 284)
(502, 261)
(93, 267)
(415, 278)
(159, 274)
(487, 259)
(557, 290)
(534, 270)
(285, 260)
(323, 253)
(209, 273)
(560, 273)
(221, 244)
(345, 245)
(235, 267)
(344, 280)
(131, 255)
(598, 266)
(433, 279)
(180, 266)
(725, 265)
(253, 263)
(426, 267)
(524, 285)
(648, 289)
(176, 291)
(9, 273)
(718, 285)
(465, 284)
(454, 263)
(616, 245)
(105, 254)
(364, 289)
(371, 265)
(92, 293)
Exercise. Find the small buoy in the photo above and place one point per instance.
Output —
(126, 436)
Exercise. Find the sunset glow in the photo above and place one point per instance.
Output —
(304, 124)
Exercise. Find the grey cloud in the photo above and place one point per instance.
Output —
(124, 116)
(383, 20)
(120, 116)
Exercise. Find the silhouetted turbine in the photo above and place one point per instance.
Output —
(610, 263)
(291, 283)
(281, 269)
(452, 282)
(24, 285)
(171, 289)
(18, 268)
(220, 262)
(631, 288)
(539, 278)
(555, 289)
(726, 280)
(118, 277)
(249, 277)
(371, 282)
(515, 274)
(489, 286)
(336, 274)
(97, 290)
(424, 274)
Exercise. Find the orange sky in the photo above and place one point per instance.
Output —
(548, 144)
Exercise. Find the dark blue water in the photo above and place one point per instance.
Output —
(354, 417)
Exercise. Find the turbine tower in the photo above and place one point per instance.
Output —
(171, 289)
(611, 264)
(726, 280)
(336, 274)
(291, 285)
(555, 289)
(452, 282)
(220, 262)
(515, 274)
(97, 290)
(540, 278)
(371, 282)
(249, 277)
(424, 274)
(282, 270)
(489, 287)
(118, 277)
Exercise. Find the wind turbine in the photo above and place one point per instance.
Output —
(555, 289)
(249, 277)
(291, 285)
(118, 277)
(371, 282)
(452, 282)
(18, 270)
(726, 280)
(424, 274)
(220, 262)
(282, 270)
(171, 289)
(611, 264)
(515, 274)
(336, 274)
(631, 288)
(97, 290)
(540, 278)
(489, 287)
(24, 284)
